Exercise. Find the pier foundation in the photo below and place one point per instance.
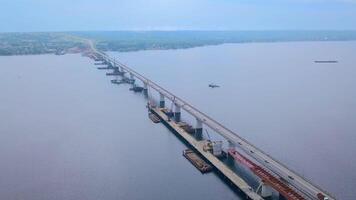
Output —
(231, 145)
(177, 113)
(161, 100)
(145, 89)
(199, 129)
(132, 77)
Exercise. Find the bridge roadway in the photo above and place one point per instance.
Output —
(301, 184)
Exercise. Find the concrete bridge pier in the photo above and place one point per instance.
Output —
(231, 145)
(145, 89)
(161, 100)
(177, 113)
(110, 65)
(198, 129)
(230, 159)
(132, 77)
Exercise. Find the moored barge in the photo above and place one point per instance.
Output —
(154, 118)
(198, 162)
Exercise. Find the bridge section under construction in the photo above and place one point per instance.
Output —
(273, 176)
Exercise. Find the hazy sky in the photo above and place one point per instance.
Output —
(63, 15)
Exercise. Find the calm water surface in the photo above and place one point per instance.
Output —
(274, 95)
(67, 133)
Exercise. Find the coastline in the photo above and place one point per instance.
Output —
(178, 47)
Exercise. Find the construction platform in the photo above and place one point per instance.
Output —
(233, 178)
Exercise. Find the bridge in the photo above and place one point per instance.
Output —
(273, 175)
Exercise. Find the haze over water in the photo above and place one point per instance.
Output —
(67, 133)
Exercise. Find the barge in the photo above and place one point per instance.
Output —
(137, 89)
(326, 61)
(154, 118)
(198, 162)
(115, 73)
(103, 68)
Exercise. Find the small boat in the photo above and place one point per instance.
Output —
(213, 85)
(326, 61)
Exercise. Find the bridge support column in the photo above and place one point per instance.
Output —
(145, 88)
(264, 190)
(161, 100)
(231, 145)
(110, 64)
(198, 129)
(132, 78)
(177, 114)
(230, 159)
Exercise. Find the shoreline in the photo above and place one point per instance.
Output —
(184, 48)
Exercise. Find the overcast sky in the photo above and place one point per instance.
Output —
(71, 15)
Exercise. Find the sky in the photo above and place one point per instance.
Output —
(101, 15)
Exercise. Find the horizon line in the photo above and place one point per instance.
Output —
(186, 30)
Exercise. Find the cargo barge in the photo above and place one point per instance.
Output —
(116, 82)
(154, 118)
(115, 73)
(198, 162)
(326, 61)
(103, 68)
(137, 89)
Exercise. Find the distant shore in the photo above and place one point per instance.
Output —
(127, 41)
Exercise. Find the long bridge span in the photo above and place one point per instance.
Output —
(294, 185)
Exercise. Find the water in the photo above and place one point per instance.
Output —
(274, 95)
(67, 133)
